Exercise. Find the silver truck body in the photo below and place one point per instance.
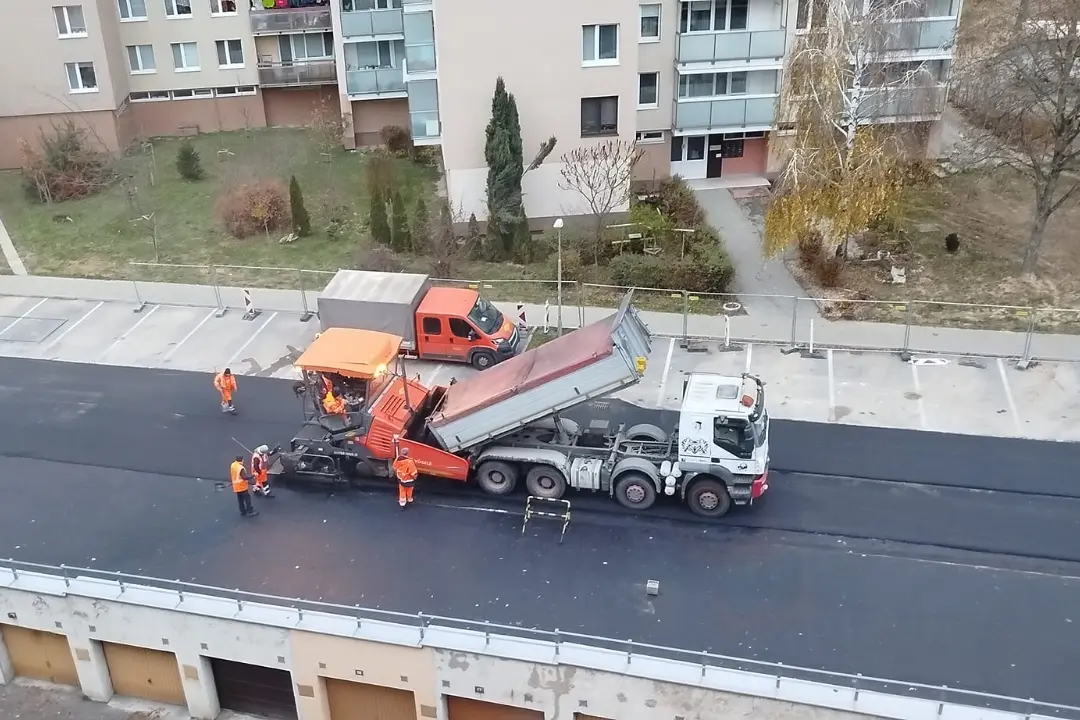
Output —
(385, 302)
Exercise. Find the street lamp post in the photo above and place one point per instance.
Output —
(558, 274)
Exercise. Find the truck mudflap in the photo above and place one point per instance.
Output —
(590, 362)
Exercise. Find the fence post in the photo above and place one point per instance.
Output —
(139, 302)
(217, 291)
(581, 303)
(1025, 358)
(303, 296)
(905, 352)
(685, 316)
(794, 323)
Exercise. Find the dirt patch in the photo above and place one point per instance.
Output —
(22, 701)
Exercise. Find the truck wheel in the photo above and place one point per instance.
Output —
(636, 491)
(483, 360)
(496, 477)
(646, 432)
(546, 482)
(709, 498)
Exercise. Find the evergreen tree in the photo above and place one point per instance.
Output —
(401, 238)
(421, 230)
(503, 154)
(380, 226)
(188, 163)
(300, 218)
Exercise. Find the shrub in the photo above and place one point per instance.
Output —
(66, 167)
(706, 270)
(251, 208)
(678, 202)
(811, 246)
(378, 258)
(474, 229)
(381, 171)
(401, 238)
(830, 273)
(397, 140)
(421, 228)
(377, 220)
(300, 218)
(632, 270)
(188, 163)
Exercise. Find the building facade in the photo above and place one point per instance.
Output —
(694, 84)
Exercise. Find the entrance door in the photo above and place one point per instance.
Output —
(715, 160)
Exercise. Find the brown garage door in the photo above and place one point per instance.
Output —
(464, 709)
(254, 689)
(583, 716)
(40, 655)
(143, 673)
(357, 701)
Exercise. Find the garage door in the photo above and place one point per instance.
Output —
(40, 655)
(143, 673)
(464, 709)
(254, 689)
(357, 701)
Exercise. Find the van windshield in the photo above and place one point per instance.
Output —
(485, 316)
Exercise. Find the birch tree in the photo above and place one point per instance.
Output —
(845, 167)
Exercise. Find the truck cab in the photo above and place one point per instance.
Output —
(458, 325)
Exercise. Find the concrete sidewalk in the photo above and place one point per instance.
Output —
(755, 323)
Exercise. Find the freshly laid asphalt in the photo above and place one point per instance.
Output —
(856, 561)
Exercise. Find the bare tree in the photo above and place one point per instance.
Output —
(1022, 90)
(845, 165)
(601, 175)
(445, 247)
(329, 126)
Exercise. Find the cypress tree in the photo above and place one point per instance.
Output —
(503, 154)
(380, 226)
(300, 218)
(421, 230)
(401, 238)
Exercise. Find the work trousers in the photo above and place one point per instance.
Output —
(404, 494)
(244, 498)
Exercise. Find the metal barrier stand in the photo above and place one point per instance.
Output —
(563, 515)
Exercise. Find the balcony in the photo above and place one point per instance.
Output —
(365, 18)
(285, 20)
(725, 114)
(728, 46)
(424, 110)
(420, 58)
(378, 81)
(298, 74)
(919, 34)
(900, 103)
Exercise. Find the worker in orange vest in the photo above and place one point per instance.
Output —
(260, 470)
(239, 477)
(405, 470)
(333, 405)
(225, 382)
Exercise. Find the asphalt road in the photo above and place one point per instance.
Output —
(118, 468)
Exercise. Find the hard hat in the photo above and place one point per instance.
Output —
(262, 449)
(404, 451)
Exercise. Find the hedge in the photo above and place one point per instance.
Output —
(705, 270)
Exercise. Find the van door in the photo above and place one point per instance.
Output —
(434, 341)
(464, 337)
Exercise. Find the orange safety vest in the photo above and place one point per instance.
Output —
(259, 468)
(223, 383)
(333, 405)
(405, 469)
(236, 474)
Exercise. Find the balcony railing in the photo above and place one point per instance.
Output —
(903, 102)
(918, 34)
(722, 46)
(425, 125)
(734, 112)
(270, 22)
(378, 81)
(365, 23)
(420, 58)
(298, 74)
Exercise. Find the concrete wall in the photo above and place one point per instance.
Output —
(175, 117)
(101, 127)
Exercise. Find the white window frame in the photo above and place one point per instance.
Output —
(123, 5)
(597, 61)
(196, 68)
(81, 89)
(216, 8)
(228, 55)
(172, 10)
(141, 70)
(727, 85)
(649, 137)
(65, 13)
(192, 94)
(642, 38)
(712, 18)
(682, 142)
(656, 102)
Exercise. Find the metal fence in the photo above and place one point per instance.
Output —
(629, 653)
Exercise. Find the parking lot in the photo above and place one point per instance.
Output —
(948, 394)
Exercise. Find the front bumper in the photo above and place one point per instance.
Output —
(759, 486)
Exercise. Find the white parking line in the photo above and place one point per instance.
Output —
(832, 388)
(123, 337)
(667, 370)
(918, 391)
(250, 340)
(749, 355)
(23, 316)
(74, 325)
(1009, 398)
(190, 334)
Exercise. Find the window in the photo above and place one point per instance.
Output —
(222, 7)
(599, 116)
(192, 94)
(460, 328)
(132, 9)
(686, 149)
(599, 44)
(712, 84)
(185, 56)
(649, 137)
(647, 89)
(81, 77)
(810, 13)
(431, 326)
(230, 54)
(178, 8)
(229, 91)
(713, 15)
(650, 23)
(70, 21)
(362, 5)
(141, 59)
(306, 46)
(371, 55)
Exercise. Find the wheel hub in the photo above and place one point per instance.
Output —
(708, 500)
(546, 482)
(496, 478)
(635, 493)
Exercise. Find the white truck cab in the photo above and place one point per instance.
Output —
(723, 424)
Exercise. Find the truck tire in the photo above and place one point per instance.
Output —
(496, 477)
(546, 482)
(646, 432)
(482, 360)
(708, 498)
(635, 490)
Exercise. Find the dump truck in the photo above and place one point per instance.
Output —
(499, 428)
(435, 323)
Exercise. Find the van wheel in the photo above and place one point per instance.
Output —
(709, 498)
(546, 482)
(496, 477)
(483, 360)
(636, 491)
